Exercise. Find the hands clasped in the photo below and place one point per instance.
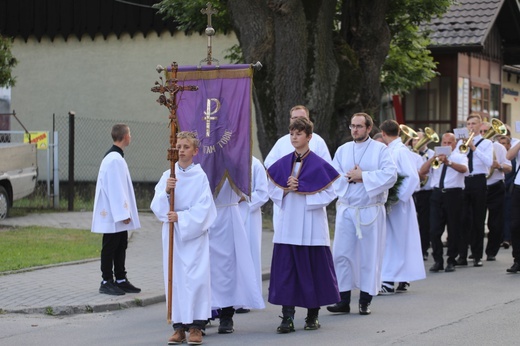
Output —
(355, 175)
(292, 183)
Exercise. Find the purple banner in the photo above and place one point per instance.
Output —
(220, 114)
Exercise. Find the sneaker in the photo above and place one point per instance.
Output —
(178, 337)
(111, 289)
(226, 326)
(402, 287)
(286, 326)
(386, 291)
(127, 287)
(311, 323)
(363, 309)
(195, 337)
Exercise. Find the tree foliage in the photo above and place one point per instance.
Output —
(7, 63)
(335, 56)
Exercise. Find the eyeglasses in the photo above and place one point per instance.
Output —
(483, 131)
(356, 127)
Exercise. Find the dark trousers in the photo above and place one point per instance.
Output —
(506, 233)
(113, 255)
(515, 223)
(446, 211)
(197, 324)
(422, 206)
(495, 222)
(474, 216)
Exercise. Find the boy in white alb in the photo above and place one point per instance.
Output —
(194, 213)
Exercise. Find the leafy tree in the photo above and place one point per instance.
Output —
(7, 63)
(334, 56)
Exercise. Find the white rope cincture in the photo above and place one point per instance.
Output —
(358, 218)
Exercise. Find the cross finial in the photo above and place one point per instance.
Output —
(209, 11)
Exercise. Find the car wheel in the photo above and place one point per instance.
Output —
(4, 203)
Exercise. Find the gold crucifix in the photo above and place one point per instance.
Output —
(168, 93)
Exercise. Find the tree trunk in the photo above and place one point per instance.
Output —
(304, 63)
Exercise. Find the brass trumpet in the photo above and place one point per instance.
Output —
(463, 148)
(436, 163)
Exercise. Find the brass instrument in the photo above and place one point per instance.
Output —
(436, 163)
(465, 146)
(429, 136)
(407, 133)
(497, 128)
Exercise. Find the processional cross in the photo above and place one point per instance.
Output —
(209, 11)
(168, 97)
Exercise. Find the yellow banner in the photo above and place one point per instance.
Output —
(40, 138)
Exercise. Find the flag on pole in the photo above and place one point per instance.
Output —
(220, 114)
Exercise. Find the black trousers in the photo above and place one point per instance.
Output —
(515, 223)
(446, 211)
(422, 206)
(113, 255)
(495, 223)
(474, 212)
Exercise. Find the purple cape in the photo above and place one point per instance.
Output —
(315, 173)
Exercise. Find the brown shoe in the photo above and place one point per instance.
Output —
(195, 336)
(178, 337)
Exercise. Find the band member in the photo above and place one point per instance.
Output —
(514, 153)
(509, 184)
(446, 202)
(480, 157)
(422, 196)
(367, 172)
(496, 193)
(403, 261)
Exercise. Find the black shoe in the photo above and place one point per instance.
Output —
(286, 326)
(505, 244)
(491, 258)
(111, 289)
(363, 309)
(436, 267)
(127, 287)
(311, 323)
(450, 267)
(462, 262)
(226, 326)
(425, 256)
(514, 268)
(342, 306)
(471, 256)
(242, 311)
(402, 287)
(477, 262)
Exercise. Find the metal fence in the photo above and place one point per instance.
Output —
(146, 155)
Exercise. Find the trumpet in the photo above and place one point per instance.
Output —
(436, 163)
(465, 146)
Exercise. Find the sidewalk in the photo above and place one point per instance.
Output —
(73, 287)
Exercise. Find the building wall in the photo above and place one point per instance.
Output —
(101, 79)
(511, 101)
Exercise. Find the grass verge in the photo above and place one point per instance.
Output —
(26, 247)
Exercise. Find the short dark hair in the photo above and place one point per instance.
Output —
(302, 124)
(119, 132)
(369, 122)
(390, 127)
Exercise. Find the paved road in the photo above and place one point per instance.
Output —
(472, 306)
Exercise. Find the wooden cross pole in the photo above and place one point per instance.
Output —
(168, 97)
